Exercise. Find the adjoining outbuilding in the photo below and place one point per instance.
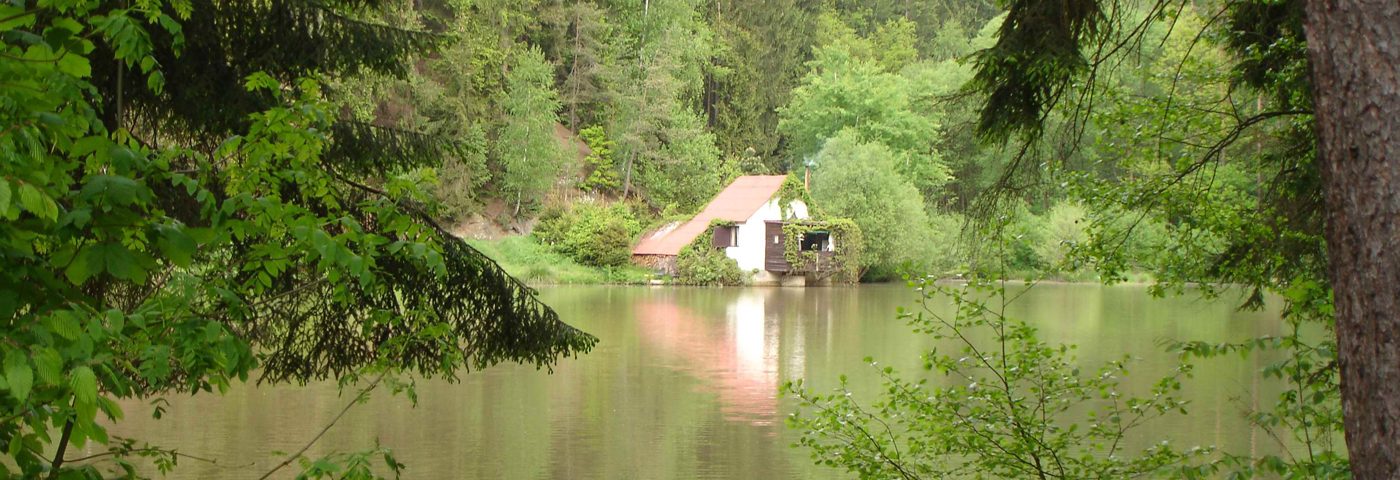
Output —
(763, 224)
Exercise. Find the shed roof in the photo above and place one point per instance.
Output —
(736, 203)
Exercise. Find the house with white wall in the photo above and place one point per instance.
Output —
(750, 218)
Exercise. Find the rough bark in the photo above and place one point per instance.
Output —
(1354, 46)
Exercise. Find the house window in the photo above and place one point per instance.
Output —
(817, 241)
(726, 236)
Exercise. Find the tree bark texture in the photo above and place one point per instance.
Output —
(1354, 46)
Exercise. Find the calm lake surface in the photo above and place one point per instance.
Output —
(684, 385)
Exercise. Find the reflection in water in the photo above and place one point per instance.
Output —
(684, 386)
(737, 360)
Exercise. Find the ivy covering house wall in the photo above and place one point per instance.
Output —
(846, 235)
(847, 242)
(700, 263)
(794, 190)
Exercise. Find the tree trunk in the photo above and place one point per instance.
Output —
(1354, 46)
(627, 176)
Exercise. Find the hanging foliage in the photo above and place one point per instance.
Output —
(701, 263)
(794, 190)
(131, 267)
(842, 263)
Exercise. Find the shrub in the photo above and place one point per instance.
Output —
(1065, 226)
(701, 264)
(590, 233)
(552, 225)
(1022, 234)
(994, 400)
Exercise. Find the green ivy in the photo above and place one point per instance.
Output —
(794, 190)
(700, 263)
(844, 233)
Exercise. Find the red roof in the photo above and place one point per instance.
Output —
(736, 203)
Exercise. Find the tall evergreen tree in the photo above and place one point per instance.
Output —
(219, 44)
(763, 50)
(584, 55)
(664, 146)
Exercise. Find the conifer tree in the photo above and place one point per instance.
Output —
(190, 208)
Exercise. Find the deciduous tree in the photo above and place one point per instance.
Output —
(530, 156)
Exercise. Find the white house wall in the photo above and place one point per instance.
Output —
(749, 254)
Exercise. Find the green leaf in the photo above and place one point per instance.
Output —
(201, 235)
(68, 24)
(110, 408)
(65, 324)
(89, 262)
(25, 37)
(84, 385)
(92, 144)
(17, 372)
(31, 199)
(261, 81)
(155, 81)
(78, 217)
(228, 146)
(75, 65)
(177, 246)
(4, 196)
(116, 321)
(122, 156)
(116, 190)
(57, 37)
(49, 364)
(50, 212)
(121, 263)
(16, 445)
(51, 119)
(16, 18)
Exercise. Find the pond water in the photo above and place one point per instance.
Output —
(684, 385)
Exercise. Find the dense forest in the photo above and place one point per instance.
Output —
(644, 110)
(659, 104)
(1168, 142)
(194, 190)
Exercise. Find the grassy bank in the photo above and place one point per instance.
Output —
(528, 260)
(525, 258)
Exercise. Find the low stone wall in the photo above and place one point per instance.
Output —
(660, 263)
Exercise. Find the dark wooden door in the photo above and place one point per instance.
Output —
(773, 260)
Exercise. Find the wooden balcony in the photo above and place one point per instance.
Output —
(774, 260)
